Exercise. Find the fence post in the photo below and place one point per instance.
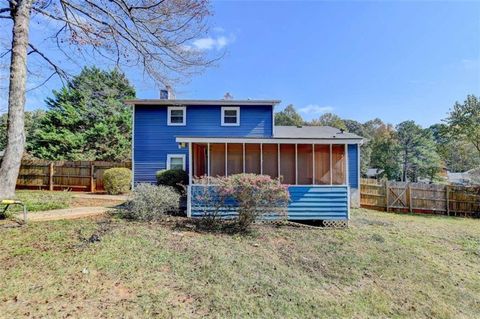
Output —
(92, 177)
(409, 194)
(50, 176)
(447, 197)
(386, 195)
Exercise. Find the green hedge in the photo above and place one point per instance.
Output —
(176, 178)
(117, 180)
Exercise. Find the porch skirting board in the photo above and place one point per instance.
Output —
(312, 202)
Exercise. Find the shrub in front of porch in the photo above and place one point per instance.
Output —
(150, 202)
(253, 197)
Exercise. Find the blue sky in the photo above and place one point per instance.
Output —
(360, 60)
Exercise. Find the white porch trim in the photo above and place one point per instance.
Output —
(133, 148)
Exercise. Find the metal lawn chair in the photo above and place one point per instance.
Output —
(8, 202)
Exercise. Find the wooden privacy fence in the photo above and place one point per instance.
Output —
(84, 176)
(420, 198)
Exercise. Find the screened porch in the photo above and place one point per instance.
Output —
(293, 163)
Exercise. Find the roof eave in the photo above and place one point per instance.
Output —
(200, 102)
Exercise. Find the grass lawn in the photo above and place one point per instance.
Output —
(41, 200)
(383, 265)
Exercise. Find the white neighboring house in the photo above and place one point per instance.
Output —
(1, 154)
(374, 172)
(470, 177)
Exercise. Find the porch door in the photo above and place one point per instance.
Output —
(200, 160)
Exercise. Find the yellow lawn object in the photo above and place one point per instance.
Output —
(8, 202)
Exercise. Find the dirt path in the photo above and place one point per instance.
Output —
(67, 213)
(82, 205)
(101, 196)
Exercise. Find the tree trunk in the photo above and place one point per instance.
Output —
(16, 99)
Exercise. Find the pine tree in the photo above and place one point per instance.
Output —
(418, 155)
(87, 119)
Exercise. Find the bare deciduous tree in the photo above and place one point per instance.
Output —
(153, 35)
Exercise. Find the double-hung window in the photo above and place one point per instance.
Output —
(230, 116)
(176, 161)
(177, 115)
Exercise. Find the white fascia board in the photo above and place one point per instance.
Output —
(266, 140)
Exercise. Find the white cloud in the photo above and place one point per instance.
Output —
(218, 29)
(470, 64)
(315, 109)
(211, 43)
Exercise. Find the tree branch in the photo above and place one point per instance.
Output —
(58, 70)
(43, 83)
(153, 34)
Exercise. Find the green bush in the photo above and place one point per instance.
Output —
(117, 180)
(176, 178)
(151, 202)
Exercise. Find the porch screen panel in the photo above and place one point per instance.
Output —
(270, 160)
(252, 158)
(322, 164)
(305, 164)
(234, 158)
(217, 163)
(200, 160)
(338, 164)
(287, 163)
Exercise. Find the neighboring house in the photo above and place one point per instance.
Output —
(1, 153)
(224, 137)
(374, 173)
(470, 177)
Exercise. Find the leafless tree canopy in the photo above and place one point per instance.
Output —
(153, 35)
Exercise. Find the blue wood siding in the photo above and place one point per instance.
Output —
(353, 169)
(306, 203)
(318, 203)
(154, 139)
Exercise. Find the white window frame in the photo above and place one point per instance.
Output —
(182, 156)
(176, 108)
(230, 108)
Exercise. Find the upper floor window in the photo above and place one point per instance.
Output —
(177, 115)
(230, 116)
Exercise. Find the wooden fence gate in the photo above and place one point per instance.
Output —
(397, 197)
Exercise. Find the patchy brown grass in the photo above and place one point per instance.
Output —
(383, 265)
(94, 202)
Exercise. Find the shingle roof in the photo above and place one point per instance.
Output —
(317, 132)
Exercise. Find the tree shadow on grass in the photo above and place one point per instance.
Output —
(218, 226)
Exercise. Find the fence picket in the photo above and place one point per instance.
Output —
(420, 198)
(75, 175)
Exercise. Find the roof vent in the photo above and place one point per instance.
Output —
(342, 131)
(228, 96)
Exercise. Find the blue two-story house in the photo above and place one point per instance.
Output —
(223, 137)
